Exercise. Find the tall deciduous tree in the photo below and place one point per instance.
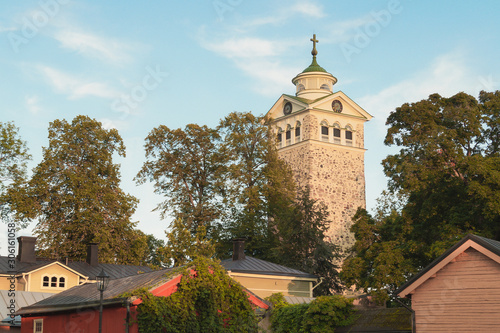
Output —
(448, 171)
(185, 166)
(303, 244)
(13, 158)
(75, 194)
(260, 185)
(183, 246)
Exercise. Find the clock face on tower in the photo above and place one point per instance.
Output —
(287, 109)
(337, 106)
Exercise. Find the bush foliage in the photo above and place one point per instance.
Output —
(207, 300)
(322, 315)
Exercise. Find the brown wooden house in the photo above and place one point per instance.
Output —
(460, 290)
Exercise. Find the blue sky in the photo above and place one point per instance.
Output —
(136, 65)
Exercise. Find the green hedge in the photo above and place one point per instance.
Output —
(322, 315)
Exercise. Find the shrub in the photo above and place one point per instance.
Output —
(207, 300)
(322, 315)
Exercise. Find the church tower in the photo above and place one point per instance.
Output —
(320, 134)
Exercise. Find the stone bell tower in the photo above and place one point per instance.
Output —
(321, 136)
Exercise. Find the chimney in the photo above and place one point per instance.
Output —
(26, 251)
(92, 258)
(238, 249)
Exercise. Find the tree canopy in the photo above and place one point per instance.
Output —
(446, 173)
(230, 182)
(13, 157)
(186, 167)
(75, 194)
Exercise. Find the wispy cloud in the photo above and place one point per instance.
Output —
(308, 9)
(346, 30)
(5, 29)
(94, 46)
(113, 123)
(301, 8)
(76, 87)
(33, 104)
(244, 47)
(252, 56)
(447, 75)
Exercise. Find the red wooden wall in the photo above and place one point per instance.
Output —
(85, 321)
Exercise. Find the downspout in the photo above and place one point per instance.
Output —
(127, 318)
(413, 323)
(25, 282)
(320, 281)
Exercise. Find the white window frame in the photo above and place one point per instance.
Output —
(58, 282)
(35, 322)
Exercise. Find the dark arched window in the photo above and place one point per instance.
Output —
(297, 132)
(278, 139)
(62, 282)
(53, 282)
(324, 132)
(45, 281)
(348, 136)
(336, 134)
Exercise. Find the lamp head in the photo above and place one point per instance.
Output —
(102, 280)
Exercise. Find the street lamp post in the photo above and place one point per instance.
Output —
(102, 284)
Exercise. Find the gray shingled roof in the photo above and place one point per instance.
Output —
(87, 295)
(252, 265)
(113, 270)
(22, 267)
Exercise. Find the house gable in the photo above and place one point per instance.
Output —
(459, 291)
(53, 278)
(480, 244)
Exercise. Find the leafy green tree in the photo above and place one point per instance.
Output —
(183, 246)
(259, 185)
(447, 172)
(383, 259)
(13, 158)
(74, 192)
(153, 256)
(303, 244)
(186, 167)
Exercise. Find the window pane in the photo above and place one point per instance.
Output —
(324, 130)
(348, 135)
(61, 282)
(336, 132)
(45, 281)
(297, 131)
(53, 282)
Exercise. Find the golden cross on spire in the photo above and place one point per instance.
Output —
(314, 40)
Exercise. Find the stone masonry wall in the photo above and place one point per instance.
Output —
(335, 175)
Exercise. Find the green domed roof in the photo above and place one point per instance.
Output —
(314, 67)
